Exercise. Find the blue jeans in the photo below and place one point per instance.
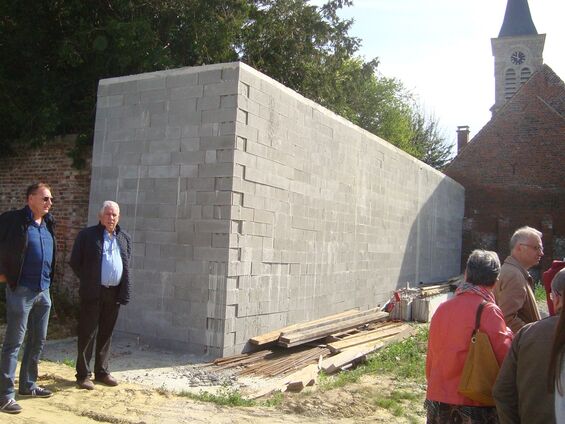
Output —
(25, 310)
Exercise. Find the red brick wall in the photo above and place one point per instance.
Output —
(69, 187)
(513, 171)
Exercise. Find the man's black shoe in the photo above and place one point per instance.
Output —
(10, 406)
(37, 392)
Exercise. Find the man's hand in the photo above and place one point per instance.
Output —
(3, 278)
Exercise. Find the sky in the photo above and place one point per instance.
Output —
(441, 50)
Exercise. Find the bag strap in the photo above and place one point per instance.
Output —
(478, 317)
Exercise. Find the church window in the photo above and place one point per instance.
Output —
(524, 75)
(510, 83)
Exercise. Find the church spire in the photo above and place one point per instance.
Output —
(518, 52)
(517, 20)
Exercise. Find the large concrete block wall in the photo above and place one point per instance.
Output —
(252, 207)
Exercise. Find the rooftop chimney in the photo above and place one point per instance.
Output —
(462, 137)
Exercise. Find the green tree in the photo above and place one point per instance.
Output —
(53, 53)
(309, 49)
(428, 140)
(300, 45)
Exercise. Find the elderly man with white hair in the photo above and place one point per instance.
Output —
(514, 291)
(101, 260)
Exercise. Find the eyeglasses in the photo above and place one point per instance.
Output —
(538, 248)
(47, 198)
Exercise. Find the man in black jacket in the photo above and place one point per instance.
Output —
(27, 264)
(101, 260)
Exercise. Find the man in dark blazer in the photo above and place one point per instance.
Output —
(101, 260)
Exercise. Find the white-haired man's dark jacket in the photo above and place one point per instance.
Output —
(521, 389)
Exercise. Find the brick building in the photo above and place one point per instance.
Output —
(512, 170)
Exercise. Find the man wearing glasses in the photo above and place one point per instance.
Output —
(27, 264)
(514, 291)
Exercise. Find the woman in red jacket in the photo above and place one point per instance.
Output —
(448, 343)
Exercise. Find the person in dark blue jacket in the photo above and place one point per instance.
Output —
(101, 260)
(27, 264)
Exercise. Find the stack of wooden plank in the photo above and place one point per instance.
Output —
(293, 362)
(274, 335)
(313, 330)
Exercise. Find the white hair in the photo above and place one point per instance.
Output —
(108, 204)
(522, 235)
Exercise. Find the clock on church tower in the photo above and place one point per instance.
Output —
(517, 57)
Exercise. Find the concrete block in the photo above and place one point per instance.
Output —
(213, 198)
(180, 117)
(229, 74)
(229, 87)
(192, 266)
(209, 77)
(208, 103)
(153, 96)
(228, 101)
(156, 158)
(150, 84)
(217, 116)
(119, 87)
(164, 146)
(186, 93)
(189, 157)
(212, 226)
(182, 80)
(215, 170)
(164, 171)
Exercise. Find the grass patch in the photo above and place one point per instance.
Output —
(226, 396)
(69, 362)
(327, 382)
(274, 401)
(405, 359)
(539, 292)
(396, 402)
(230, 396)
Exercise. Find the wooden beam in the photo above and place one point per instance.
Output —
(302, 378)
(299, 337)
(358, 353)
(294, 382)
(336, 362)
(366, 337)
(272, 336)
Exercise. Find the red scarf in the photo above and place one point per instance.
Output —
(482, 291)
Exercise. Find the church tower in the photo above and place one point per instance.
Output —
(517, 51)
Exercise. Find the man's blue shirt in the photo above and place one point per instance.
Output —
(112, 266)
(36, 270)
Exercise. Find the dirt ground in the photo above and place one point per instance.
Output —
(135, 403)
(151, 382)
